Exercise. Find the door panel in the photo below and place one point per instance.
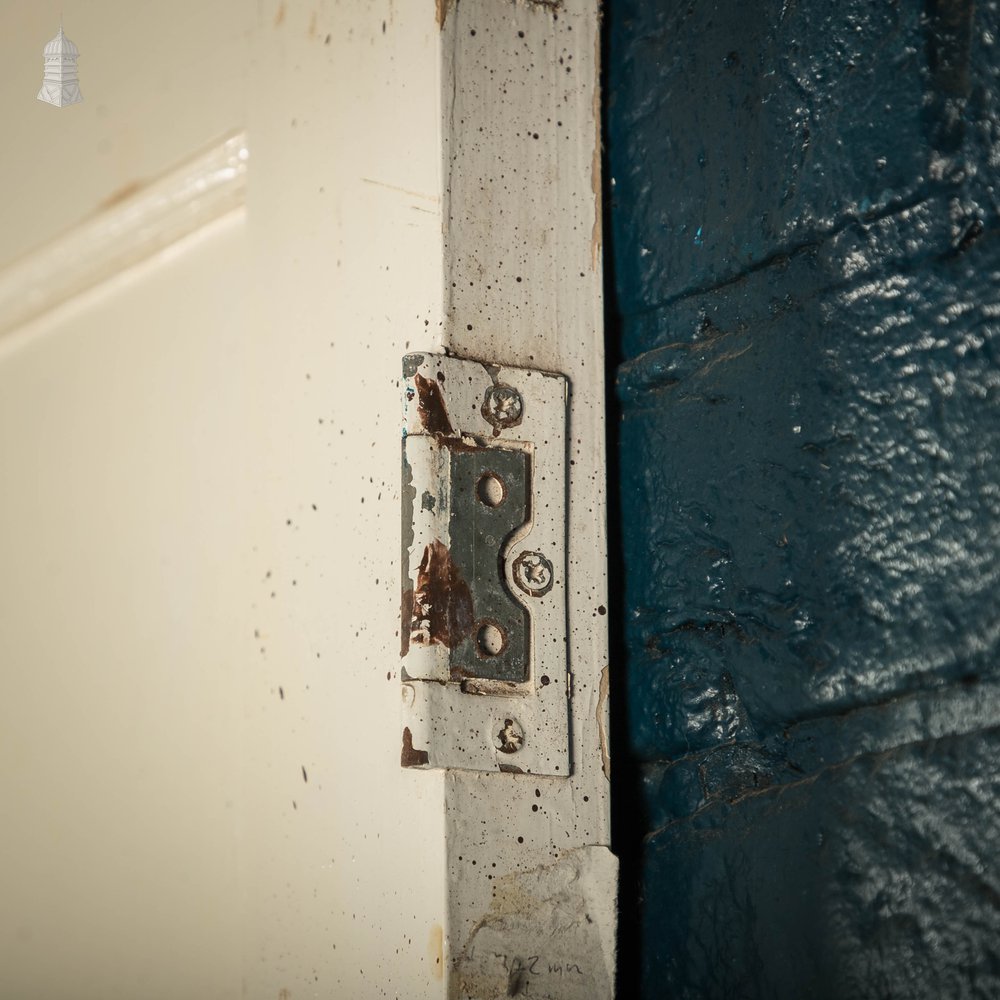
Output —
(125, 578)
(199, 607)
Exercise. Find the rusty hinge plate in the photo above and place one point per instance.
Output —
(484, 567)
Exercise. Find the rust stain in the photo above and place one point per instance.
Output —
(284, 994)
(442, 600)
(442, 7)
(280, 16)
(410, 757)
(602, 721)
(430, 406)
(596, 234)
(435, 948)
(312, 25)
(121, 194)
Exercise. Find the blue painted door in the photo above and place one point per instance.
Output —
(805, 309)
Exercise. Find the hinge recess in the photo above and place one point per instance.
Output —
(484, 567)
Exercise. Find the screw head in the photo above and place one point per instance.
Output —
(533, 573)
(509, 738)
(503, 406)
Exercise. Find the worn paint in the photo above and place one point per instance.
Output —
(435, 951)
(480, 536)
(121, 194)
(442, 601)
(542, 934)
(808, 391)
(596, 175)
(405, 619)
(441, 8)
(602, 720)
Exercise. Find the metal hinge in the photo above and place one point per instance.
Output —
(484, 567)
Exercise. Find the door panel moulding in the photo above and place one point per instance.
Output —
(127, 229)
(532, 881)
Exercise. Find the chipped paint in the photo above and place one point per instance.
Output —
(405, 620)
(411, 364)
(431, 407)
(409, 756)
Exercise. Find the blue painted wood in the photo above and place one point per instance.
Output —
(806, 262)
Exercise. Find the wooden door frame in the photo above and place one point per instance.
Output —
(522, 209)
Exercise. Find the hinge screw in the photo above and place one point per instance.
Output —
(533, 573)
(503, 406)
(510, 737)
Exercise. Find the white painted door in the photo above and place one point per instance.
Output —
(209, 272)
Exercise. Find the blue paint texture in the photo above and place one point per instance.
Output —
(805, 209)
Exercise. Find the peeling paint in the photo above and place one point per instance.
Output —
(442, 601)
